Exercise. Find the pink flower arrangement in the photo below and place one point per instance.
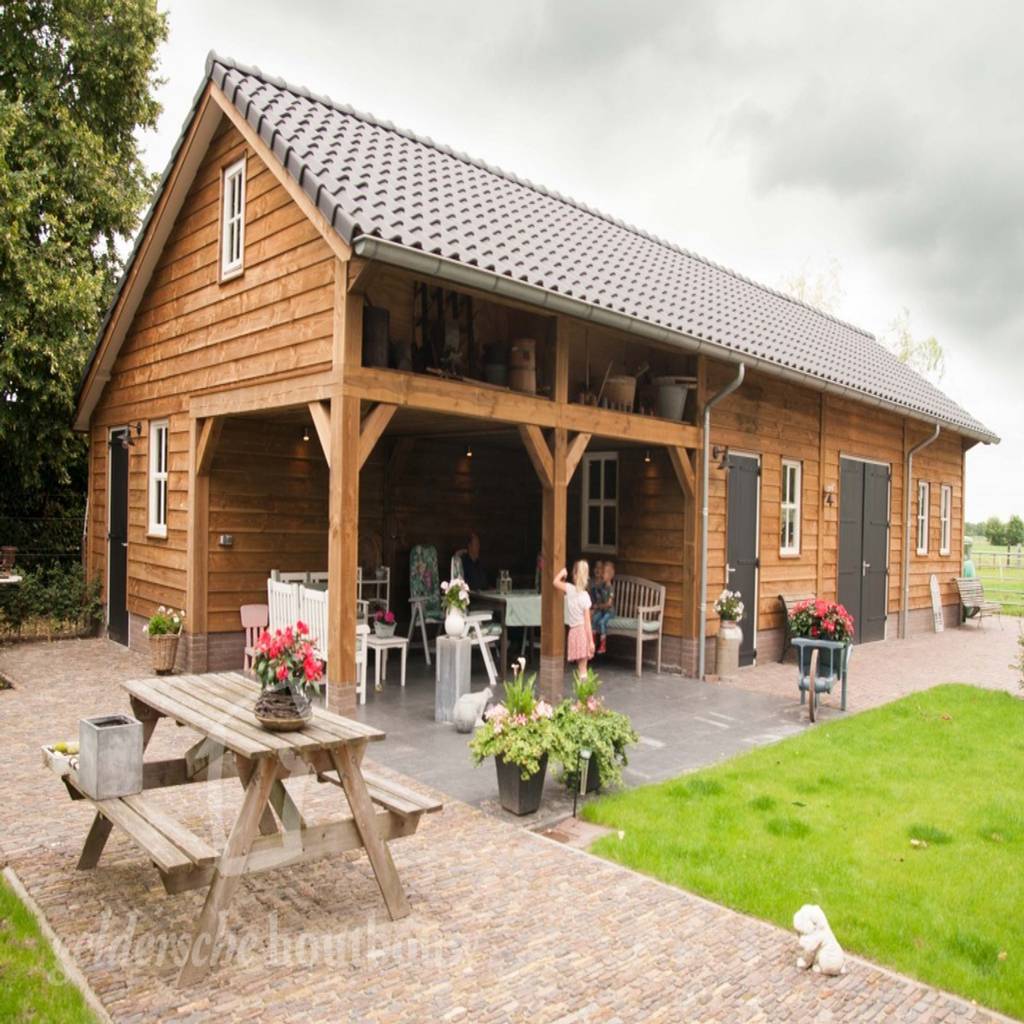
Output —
(387, 617)
(286, 659)
(821, 620)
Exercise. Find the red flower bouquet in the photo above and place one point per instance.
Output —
(821, 620)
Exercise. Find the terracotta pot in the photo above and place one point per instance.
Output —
(163, 651)
(516, 794)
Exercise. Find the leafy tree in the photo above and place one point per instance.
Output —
(995, 532)
(925, 355)
(1014, 533)
(822, 289)
(76, 82)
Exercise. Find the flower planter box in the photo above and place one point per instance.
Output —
(518, 795)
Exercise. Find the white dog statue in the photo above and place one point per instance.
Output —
(819, 948)
(469, 710)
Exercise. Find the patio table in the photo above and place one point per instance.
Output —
(218, 706)
(516, 608)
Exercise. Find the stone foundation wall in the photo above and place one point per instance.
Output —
(212, 652)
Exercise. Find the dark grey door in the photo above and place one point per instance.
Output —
(117, 541)
(863, 544)
(741, 551)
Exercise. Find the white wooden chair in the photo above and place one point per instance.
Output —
(282, 604)
(255, 618)
(289, 577)
(314, 612)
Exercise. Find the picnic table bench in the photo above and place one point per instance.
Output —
(219, 707)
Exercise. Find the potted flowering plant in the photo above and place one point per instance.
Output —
(384, 622)
(729, 608)
(455, 601)
(582, 722)
(819, 619)
(163, 630)
(289, 673)
(518, 734)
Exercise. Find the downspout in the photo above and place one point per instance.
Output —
(908, 486)
(706, 459)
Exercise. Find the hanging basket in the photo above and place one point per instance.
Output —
(164, 651)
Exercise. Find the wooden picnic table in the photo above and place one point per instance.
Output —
(270, 831)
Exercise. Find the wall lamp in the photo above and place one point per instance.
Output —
(720, 454)
(127, 441)
(305, 433)
(647, 455)
(469, 451)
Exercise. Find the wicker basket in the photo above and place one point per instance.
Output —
(163, 650)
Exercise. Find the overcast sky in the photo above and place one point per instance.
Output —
(767, 136)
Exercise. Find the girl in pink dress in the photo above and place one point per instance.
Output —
(580, 644)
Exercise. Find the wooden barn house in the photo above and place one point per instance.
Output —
(335, 340)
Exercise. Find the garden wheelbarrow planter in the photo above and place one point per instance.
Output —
(820, 665)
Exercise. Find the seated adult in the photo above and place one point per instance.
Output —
(472, 571)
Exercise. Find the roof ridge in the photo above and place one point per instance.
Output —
(426, 140)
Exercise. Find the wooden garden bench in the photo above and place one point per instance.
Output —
(639, 613)
(972, 598)
(789, 602)
(219, 707)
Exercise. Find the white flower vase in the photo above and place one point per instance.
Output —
(455, 622)
(727, 649)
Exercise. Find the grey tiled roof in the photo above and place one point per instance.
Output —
(370, 178)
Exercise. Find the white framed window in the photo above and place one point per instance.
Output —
(158, 478)
(601, 502)
(789, 508)
(945, 519)
(923, 492)
(232, 220)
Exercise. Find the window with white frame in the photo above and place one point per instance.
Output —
(232, 220)
(789, 512)
(601, 502)
(945, 519)
(158, 479)
(922, 517)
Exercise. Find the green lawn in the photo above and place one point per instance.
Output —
(32, 985)
(828, 816)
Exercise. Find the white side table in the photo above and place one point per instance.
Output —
(381, 645)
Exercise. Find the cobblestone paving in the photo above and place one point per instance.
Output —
(506, 925)
(882, 672)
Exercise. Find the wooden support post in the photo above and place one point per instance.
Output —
(321, 413)
(680, 459)
(577, 447)
(343, 502)
(552, 632)
(819, 498)
(693, 627)
(540, 454)
(202, 443)
(374, 424)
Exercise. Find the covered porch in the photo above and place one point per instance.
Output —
(346, 469)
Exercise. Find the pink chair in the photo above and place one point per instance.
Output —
(255, 619)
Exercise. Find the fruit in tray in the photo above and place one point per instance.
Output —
(70, 747)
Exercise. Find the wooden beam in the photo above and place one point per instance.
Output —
(290, 185)
(458, 398)
(343, 500)
(553, 545)
(819, 498)
(264, 396)
(564, 328)
(197, 551)
(574, 453)
(207, 444)
(692, 626)
(362, 273)
(321, 413)
(540, 454)
(680, 459)
(375, 422)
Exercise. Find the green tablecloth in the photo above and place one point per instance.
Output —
(522, 607)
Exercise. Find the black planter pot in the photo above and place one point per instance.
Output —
(516, 794)
(593, 775)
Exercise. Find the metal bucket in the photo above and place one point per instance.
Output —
(670, 401)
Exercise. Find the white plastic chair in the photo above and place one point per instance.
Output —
(289, 577)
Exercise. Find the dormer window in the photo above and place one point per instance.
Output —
(232, 221)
